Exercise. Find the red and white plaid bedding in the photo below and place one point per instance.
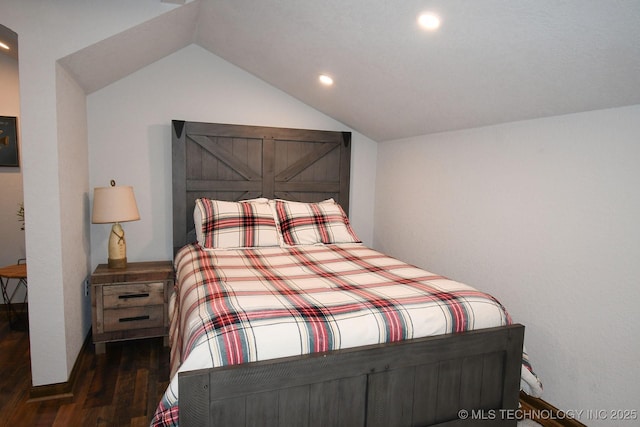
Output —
(237, 306)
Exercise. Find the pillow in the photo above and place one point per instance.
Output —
(312, 223)
(198, 217)
(229, 225)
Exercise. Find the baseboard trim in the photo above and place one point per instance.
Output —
(61, 391)
(546, 414)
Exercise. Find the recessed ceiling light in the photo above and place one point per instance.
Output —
(325, 80)
(429, 21)
(4, 46)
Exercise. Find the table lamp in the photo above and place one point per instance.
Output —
(115, 204)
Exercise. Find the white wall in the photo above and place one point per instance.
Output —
(130, 139)
(73, 175)
(543, 214)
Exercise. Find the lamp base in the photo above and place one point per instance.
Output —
(117, 263)
(117, 247)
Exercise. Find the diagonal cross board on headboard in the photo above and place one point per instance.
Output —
(236, 162)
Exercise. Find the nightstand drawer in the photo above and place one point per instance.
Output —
(133, 295)
(133, 318)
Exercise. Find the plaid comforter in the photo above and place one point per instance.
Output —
(238, 306)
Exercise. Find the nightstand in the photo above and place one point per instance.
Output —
(131, 303)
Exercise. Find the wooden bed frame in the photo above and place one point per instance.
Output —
(421, 382)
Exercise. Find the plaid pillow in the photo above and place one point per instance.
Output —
(311, 223)
(226, 225)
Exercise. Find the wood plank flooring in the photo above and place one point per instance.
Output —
(119, 388)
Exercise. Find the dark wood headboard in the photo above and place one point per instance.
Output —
(235, 162)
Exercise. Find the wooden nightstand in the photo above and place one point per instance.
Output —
(131, 303)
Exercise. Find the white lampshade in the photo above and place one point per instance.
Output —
(114, 204)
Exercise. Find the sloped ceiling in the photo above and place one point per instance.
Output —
(491, 61)
(10, 39)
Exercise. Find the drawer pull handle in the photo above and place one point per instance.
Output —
(133, 319)
(133, 296)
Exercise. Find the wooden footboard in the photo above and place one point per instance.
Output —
(421, 382)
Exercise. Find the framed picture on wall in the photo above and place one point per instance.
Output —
(8, 141)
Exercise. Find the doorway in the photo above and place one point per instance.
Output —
(12, 238)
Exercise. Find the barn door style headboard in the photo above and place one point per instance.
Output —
(236, 162)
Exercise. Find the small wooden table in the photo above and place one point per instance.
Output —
(19, 272)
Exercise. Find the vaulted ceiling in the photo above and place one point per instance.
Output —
(9, 39)
(491, 61)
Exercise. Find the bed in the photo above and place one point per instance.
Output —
(308, 326)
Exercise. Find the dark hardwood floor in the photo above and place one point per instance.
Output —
(119, 388)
